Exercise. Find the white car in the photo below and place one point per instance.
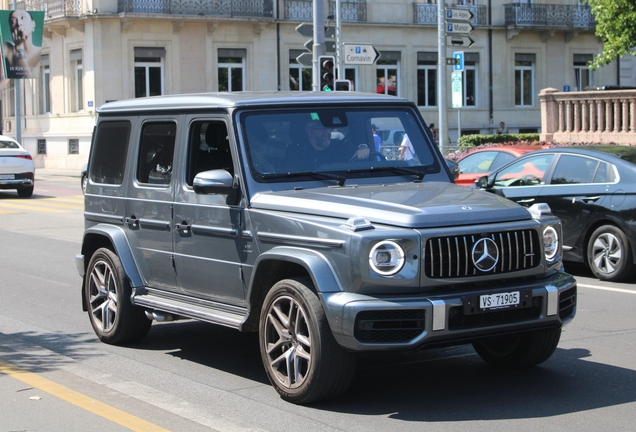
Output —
(16, 167)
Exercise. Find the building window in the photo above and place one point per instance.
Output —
(73, 146)
(9, 98)
(524, 79)
(300, 77)
(41, 146)
(427, 79)
(351, 74)
(149, 80)
(582, 74)
(77, 73)
(231, 70)
(470, 79)
(45, 85)
(387, 73)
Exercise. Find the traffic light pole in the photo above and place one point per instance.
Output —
(341, 73)
(319, 41)
(441, 82)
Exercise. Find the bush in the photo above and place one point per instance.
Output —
(466, 142)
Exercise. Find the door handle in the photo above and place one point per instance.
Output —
(183, 227)
(132, 221)
(588, 200)
(525, 201)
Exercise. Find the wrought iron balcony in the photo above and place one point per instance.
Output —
(302, 10)
(549, 16)
(54, 8)
(229, 8)
(427, 13)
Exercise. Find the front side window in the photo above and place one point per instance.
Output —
(529, 171)
(427, 79)
(110, 147)
(524, 79)
(300, 77)
(149, 71)
(77, 74)
(209, 148)
(156, 153)
(387, 73)
(231, 70)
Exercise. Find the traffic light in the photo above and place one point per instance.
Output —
(327, 72)
(343, 85)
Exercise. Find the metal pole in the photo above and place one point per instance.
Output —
(339, 62)
(319, 40)
(16, 88)
(441, 71)
(459, 123)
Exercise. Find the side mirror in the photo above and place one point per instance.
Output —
(216, 181)
(482, 183)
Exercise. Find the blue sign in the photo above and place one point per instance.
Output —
(566, 88)
(459, 61)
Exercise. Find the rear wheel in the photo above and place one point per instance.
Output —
(114, 318)
(609, 255)
(301, 357)
(517, 352)
(25, 192)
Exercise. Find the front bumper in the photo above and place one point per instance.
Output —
(364, 323)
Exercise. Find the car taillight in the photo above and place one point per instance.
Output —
(25, 157)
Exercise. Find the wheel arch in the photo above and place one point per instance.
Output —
(283, 263)
(607, 221)
(113, 238)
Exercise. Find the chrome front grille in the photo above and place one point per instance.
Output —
(452, 256)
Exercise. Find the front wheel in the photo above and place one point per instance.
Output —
(302, 359)
(609, 255)
(114, 318)
(517, 352)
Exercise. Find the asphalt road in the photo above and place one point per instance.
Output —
(187, 376)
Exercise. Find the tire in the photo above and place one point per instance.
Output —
(84, 181)
(302, 359)
(114, 318)
(518, 352)
(25, 192)
(609, 255)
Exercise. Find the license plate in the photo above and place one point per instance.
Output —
(7, 176)
(499, 301)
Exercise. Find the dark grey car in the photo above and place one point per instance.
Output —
(269, 212)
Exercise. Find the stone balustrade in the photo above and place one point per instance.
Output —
(597, 116)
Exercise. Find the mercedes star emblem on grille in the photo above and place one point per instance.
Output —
(485, 254)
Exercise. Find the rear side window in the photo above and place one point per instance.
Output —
(109, 152)
(573, 169)
(156, 153)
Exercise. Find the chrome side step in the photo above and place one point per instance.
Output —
(202, 310)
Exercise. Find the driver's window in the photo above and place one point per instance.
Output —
(526, 172)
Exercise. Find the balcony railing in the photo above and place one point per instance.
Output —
(427, 13)
(549, 16)
(230, 8)
(302, 10)
(54, 8)
(588, 116)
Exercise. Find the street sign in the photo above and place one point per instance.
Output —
(458, 66)
(461, 41)
(307, 29)
(456, 87)
(360, 54)
(459, 14)
(305, 59)
(459, 27)
(330, 46)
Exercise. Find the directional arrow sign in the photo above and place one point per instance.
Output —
(459, 14)
(461, 41)
(307, 29)
(330, 46)
(305, 59)
(454, 28)
(360, 54)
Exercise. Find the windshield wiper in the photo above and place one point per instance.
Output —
(395, 169)
(314, 174)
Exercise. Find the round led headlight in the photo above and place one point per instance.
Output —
(550, 242)
(386, 258)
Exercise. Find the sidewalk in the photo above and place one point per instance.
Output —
(57, 174)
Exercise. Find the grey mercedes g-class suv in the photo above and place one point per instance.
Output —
(278, 213)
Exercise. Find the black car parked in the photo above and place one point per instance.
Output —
(592, 189)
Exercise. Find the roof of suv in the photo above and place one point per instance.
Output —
(237, 99)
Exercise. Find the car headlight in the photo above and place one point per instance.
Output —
(550, 242)
(386, 258)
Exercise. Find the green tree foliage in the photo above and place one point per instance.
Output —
(616, 26)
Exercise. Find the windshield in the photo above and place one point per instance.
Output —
(287, 145)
